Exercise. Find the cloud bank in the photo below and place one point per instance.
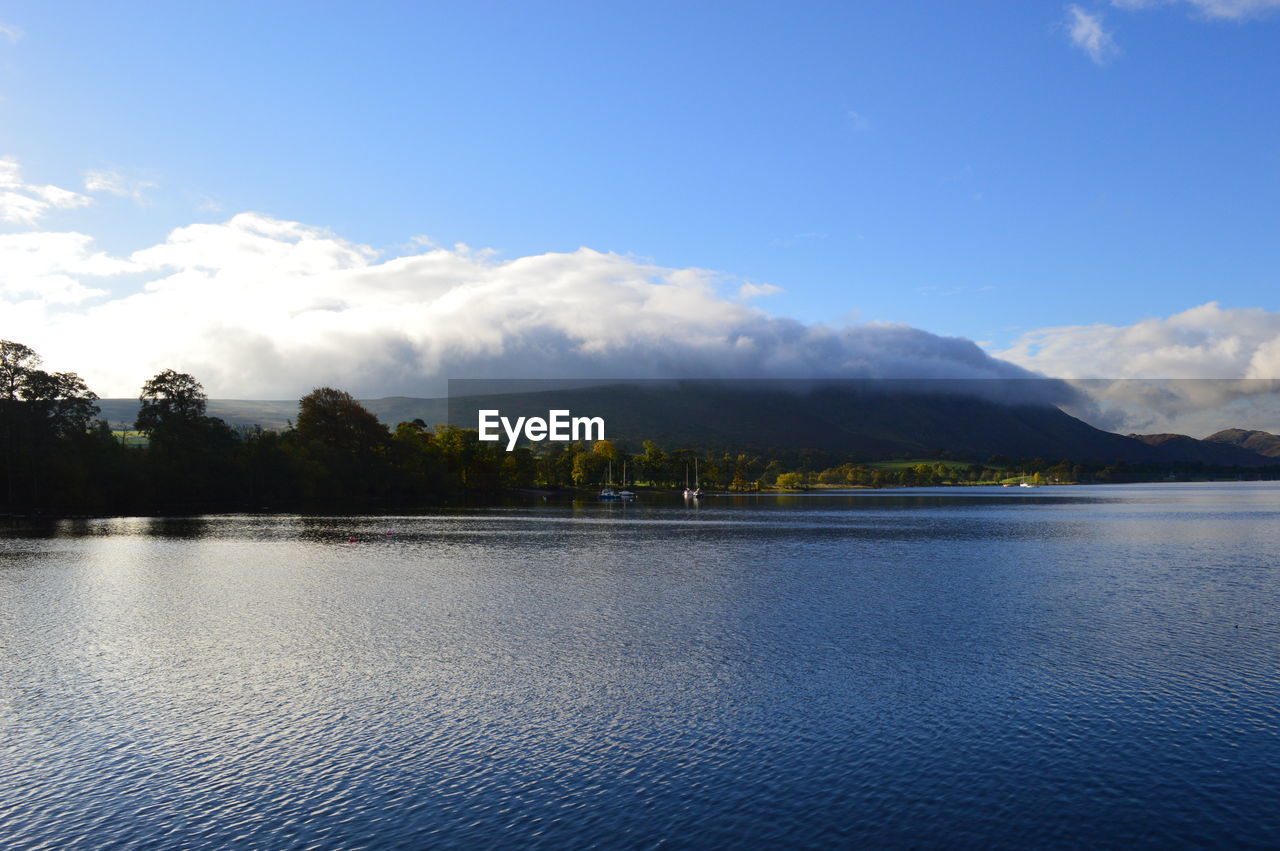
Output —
(1194, 372)
(1208, 341)
(256, 307)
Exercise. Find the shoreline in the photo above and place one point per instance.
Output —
(523, 496)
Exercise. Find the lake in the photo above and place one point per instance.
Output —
(951, 667)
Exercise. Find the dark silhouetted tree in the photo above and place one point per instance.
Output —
(189, 454)
(343, 450)
(170, 401)
(44, 420)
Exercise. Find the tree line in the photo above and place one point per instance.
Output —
(58, 457)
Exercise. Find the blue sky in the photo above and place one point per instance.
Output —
(970, 169)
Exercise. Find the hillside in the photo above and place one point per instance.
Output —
(1262, 442)
(833, 419)
(276, 414)
(851, 422)
(1181, 447)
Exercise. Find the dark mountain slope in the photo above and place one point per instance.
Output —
(853, 422)
(865, 424)
(1180, 447)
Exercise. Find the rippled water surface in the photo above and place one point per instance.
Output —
(953, 667)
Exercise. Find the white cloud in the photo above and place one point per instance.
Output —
(1234, 10)
(25, 203)
(1087, 33)
(255, 246)
(750, 290)
(10, 33)
(858, 122)
(48, 268)
(258, 307)
(114, 183)
(1208, 341)
(1194, 372)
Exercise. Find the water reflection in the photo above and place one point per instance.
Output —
(883, 668)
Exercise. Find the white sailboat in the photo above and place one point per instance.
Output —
(607, 493)
(696, 491)
(624, 493)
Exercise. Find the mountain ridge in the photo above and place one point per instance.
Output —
(871, 425)
(1262, 442)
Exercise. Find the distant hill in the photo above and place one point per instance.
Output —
(854, 423)
(1262, 442)
(830, 419)
(1180, 447)
(270, 414)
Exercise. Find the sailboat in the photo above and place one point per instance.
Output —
(624, 493)
(696, 491)
(607, 493)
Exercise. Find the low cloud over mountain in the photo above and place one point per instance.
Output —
(1189, 372)
(258, 307)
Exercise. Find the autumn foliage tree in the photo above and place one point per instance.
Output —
(344, 449)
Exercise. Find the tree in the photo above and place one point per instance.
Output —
(62, 401)
(41, 416)
(741, 469)
(189, 455)
(653, 463)
(170, 399)
(588, 468)
(472, 465)
(832, 476)
(789, 481)
(419, 459)
(344, 450)
(16, 364)
(335, 419)
(606, 449)
(555, 463)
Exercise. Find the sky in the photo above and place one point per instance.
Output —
(378, 196)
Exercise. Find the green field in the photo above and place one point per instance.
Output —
(1012, 477)
(894, 466)
(129, 437)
